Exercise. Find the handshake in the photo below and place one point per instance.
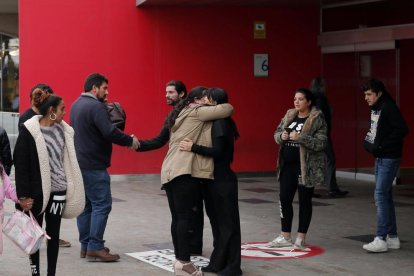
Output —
(135, 143)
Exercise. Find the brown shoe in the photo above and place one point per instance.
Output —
(101, 256)
(63, 243)
(83, 252)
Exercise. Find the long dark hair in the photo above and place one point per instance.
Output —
(195, 93)
(220, 96)
(317, 85)
(179, 86)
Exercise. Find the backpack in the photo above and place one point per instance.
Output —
(117, 115)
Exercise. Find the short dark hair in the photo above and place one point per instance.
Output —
(94, 79)
(375, 86)
(43, 87)
(179, 86)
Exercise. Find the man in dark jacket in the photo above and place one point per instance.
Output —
(94, 135)
(384, 141)
(175, 90)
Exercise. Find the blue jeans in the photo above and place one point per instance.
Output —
(92, 221)
(385, 172)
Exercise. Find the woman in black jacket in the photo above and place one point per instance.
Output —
(221, 196)
(48, 178)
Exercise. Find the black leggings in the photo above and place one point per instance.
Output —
(183, 196)
(53, 217)
(288, 186)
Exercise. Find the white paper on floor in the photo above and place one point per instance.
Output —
(164, 258)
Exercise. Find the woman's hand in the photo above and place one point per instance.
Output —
(186, 144)
(293, 136)
(26, 203)
(285, 135)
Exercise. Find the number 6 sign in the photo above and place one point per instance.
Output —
(261, 65)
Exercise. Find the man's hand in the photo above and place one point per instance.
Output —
(186, 144)
(135, 143)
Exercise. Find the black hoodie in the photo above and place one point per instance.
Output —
(388, 128)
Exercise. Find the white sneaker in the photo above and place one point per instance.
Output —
(377, 245)
(299, 244)
(393, 243)
(280, 241)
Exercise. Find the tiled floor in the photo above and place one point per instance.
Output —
(140, 221)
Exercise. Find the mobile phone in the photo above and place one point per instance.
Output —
(288, 130)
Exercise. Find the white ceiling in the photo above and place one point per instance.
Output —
(8, 6)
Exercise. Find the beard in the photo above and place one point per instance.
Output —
(172, 102)
(101, 99)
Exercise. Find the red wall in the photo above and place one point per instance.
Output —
(140, 49)
(342, 92)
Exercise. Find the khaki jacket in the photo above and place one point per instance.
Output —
(193, 122)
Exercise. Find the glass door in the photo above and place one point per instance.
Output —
(345, 73)
(9, 86)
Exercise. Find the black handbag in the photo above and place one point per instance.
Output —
(117, 115)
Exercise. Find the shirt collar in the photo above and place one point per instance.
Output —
(89, 94)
